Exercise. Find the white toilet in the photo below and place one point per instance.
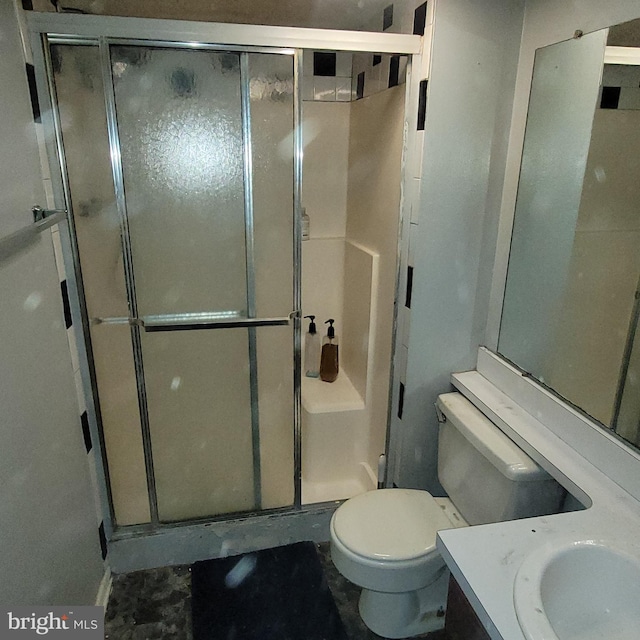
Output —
(385, 540)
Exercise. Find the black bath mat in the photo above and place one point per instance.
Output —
(275, 594)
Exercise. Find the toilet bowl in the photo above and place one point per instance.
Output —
(393, 558)
(385, 540)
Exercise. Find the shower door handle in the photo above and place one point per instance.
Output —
(191, 322)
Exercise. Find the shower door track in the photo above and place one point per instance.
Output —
(46, 28)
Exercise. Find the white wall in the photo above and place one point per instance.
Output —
(452, 236)
(49, 544)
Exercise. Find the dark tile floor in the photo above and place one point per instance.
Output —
(156, 604)
(150, 605)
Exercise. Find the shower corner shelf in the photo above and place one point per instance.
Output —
(325, 397)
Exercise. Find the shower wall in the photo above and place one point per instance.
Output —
(373, 202)
(324, 196)
(351, 191)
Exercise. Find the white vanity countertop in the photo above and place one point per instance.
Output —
(485, 559)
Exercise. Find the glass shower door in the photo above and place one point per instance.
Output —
(210, 252)
(201, 151)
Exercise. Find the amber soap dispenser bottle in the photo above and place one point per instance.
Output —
(329, 354)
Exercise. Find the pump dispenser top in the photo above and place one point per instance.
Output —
(331, 332)
(329, 354)
(312, 324)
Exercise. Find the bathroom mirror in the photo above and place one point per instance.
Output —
(571, 307)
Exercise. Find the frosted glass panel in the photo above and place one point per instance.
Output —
(200, 419)
(117, 391)
(271, 90)
(180, 126)
(81, 105)
(79, 89)
(275, 403)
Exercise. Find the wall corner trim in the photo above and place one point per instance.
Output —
(104, 590)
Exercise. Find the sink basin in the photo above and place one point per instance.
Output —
(580, 590)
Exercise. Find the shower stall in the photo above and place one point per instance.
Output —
(179, 161)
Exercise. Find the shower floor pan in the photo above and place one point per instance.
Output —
(338, 488)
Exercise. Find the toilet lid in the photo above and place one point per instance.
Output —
(390, 524)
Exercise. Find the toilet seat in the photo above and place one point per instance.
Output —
(390, 525)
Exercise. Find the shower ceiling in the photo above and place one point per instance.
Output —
(323, 14)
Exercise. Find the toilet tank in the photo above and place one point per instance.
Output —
(486, 475)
